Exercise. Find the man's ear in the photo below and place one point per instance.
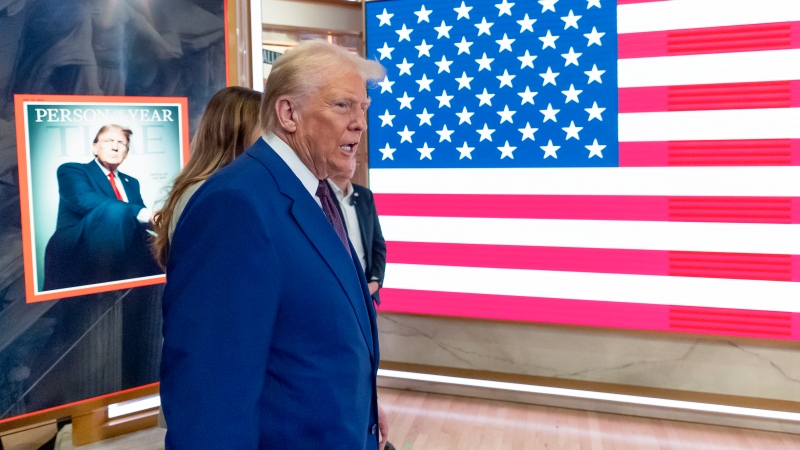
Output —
(286, 111)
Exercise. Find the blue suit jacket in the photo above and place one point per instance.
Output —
(84, 187)
(269, 330)
(97, 237)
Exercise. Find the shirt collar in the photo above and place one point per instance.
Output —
(309, 180)
(339, 193)
(105, 169)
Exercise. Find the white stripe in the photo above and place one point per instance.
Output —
(685, 14)
(776, 123)
(675, 181)
(644, 289)
(612, 234)
(739, 67)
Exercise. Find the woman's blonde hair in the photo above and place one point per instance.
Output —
(226, 130)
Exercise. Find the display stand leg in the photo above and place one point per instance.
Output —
(96, 426)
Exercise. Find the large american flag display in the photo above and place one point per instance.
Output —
(628, 164)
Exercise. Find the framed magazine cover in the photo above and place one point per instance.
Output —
(80, 234)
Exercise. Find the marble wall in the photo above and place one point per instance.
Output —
(750, 368)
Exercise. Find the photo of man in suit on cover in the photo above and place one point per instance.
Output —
(101, 230)
(93, 171)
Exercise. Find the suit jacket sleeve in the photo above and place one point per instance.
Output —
(219, 316)
(79, 194)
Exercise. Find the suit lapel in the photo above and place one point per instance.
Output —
(318, 230)
(134, 196)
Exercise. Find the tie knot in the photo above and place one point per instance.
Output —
(322, 189)
(111, 175)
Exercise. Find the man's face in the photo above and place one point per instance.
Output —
(329, 126)
(111, 148)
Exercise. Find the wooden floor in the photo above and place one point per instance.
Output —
(438, 422)
(421, 421)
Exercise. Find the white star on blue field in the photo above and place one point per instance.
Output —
(484, 84)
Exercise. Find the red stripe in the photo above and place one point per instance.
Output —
(772, 94)
(593, 260)
(635, 262)
(714, 320)
(762, 152)
(593, 207)
(696, 41)
(745, 266)
(734, 209)
(586, 207)
(526, 309)
(588, 313)
(795, 267)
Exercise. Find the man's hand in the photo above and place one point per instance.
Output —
(383, 425)
(373, 287)
(145, 216)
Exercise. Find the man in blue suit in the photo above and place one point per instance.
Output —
(270, 338)
(101, 230)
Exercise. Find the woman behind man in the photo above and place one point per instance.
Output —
(228, 127)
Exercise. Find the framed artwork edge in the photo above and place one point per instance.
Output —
(237, 72)
(33, 295)
(76, 408)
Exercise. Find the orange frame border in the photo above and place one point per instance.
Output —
(77, 407)
(24, 195)
(86, 405)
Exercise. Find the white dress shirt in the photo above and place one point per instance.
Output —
(309, 180)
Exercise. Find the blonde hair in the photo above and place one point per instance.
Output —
(125, 131)
(303, 69)
(226, 130)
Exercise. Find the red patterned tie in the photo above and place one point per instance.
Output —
(329, 208)
(114, 185)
